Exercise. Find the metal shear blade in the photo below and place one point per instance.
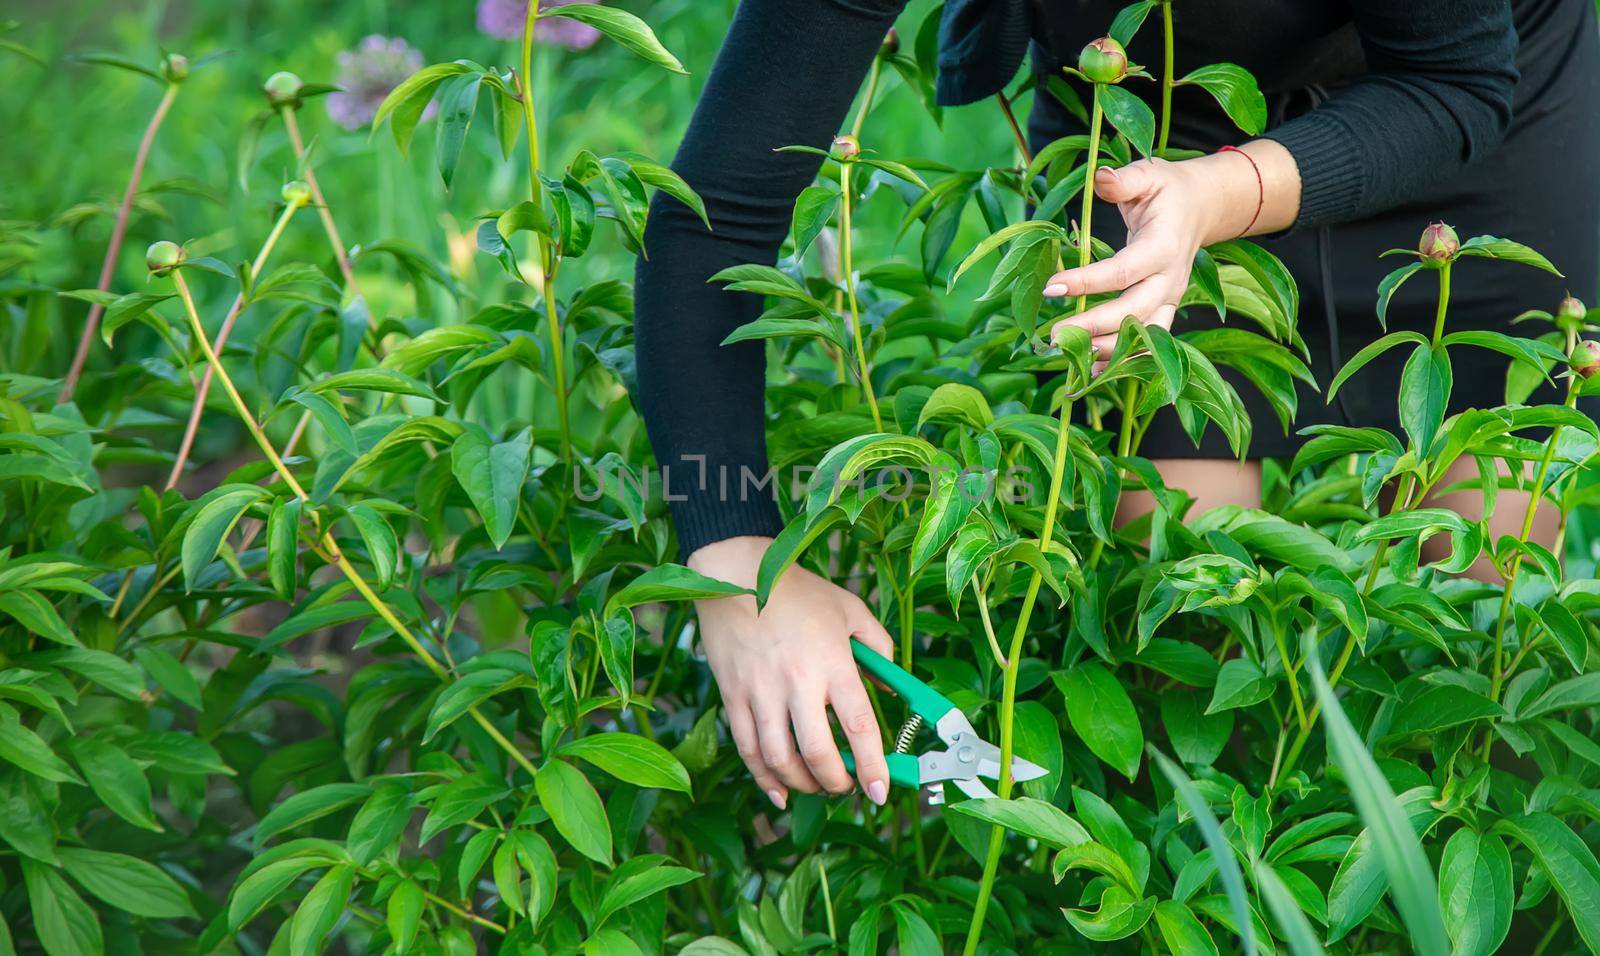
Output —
(967, 757)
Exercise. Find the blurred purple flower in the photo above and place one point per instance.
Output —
(504, 20)
(367, 74)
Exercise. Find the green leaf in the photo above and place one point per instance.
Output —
(626, 29)
(173, 676)
(492, 474)
(1568, 862)
(130, 884)
(1004, 236)
(309, 805)
(1441, 706)
(1197, 737)
(1387, 287)
(1182, 931)
(1102, 714)
(1491, 247)
(115, 779)
(37, 615)
(1476, 892)
(329, 416)
(1412, 885)
(64, 923)
(119, 62)
(379, 822)
(1574, 692)
(631, 759)
(1270, 275)
(319, 910)
(458, 102)
(1128, 20)
(383, 380)
(638, 879)
(1424, 393)
(211, 525)
(575, 809)
(670, 582)
(19, 745)
(1291, 919)
(403, 916)
(616, 653)
(464, 693)
(1130, 115)
(283, 548)
(1240, 683)
(1120, 914)
(1036, 819)
(1235, 91)
(1221, 850)
(378, 537)
(812, 211)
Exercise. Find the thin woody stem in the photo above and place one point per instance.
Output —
(118, 232)
(204, 388)
(326, 541)
(846, 262)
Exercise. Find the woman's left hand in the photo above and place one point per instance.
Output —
(1171, 210)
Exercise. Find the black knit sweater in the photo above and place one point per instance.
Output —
(1418, 89)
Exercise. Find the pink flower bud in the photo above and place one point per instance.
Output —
(1438, 245)
(1571, 310)
(891, 43)
(1585, 358)
(175, 68)
(845, 147)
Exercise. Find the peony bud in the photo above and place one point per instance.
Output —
(162, 257)
(1438, 245)
(283, 89)
(296, 193)
(1585, 358)
(175, 68)
(891, 43)
(1571, 310)
(845, 147)
(1103, 61)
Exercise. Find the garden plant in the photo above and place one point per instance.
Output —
(340, 611)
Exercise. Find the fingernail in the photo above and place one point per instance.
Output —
(1055, 290)
(878, 792)
(1108, 173)
(776, 796)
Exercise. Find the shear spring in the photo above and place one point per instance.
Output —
(907, 734)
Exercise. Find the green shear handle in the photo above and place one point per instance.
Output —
(904, 769)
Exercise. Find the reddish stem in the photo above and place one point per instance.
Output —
(118, 231)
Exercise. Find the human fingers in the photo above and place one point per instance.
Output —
(1136, 261)
(818, 749)
(1129, 183)
(1107, 317)
(848, 697)
(741, 723)
(777, 745)
(1163, 316)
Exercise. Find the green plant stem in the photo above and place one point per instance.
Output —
(197, 410)
(867, 97)
(1444, 303)
(558, 361)
(1086, 213)
(1008, 696)
(1289, 671)
(1166, 76)
(328, 545)
(847, 263)
(827, 898)
(119, 231)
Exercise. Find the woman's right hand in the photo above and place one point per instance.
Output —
(781, 669)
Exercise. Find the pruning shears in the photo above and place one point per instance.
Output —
(966, 757)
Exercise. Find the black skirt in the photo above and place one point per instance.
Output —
(1540, 187)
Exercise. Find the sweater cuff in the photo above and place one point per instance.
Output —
(704, 519)
(1331, 170)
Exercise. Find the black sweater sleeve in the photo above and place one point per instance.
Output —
(1437, 95)
(786, 75)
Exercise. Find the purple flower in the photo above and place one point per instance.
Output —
(504, 20)
(367, 74)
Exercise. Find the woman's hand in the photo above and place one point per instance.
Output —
(1171, 210)
(781, 669)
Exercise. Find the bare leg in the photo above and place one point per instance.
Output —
(1507, 518)
(1210, 481)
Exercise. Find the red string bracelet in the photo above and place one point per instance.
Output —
(1261, 189)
